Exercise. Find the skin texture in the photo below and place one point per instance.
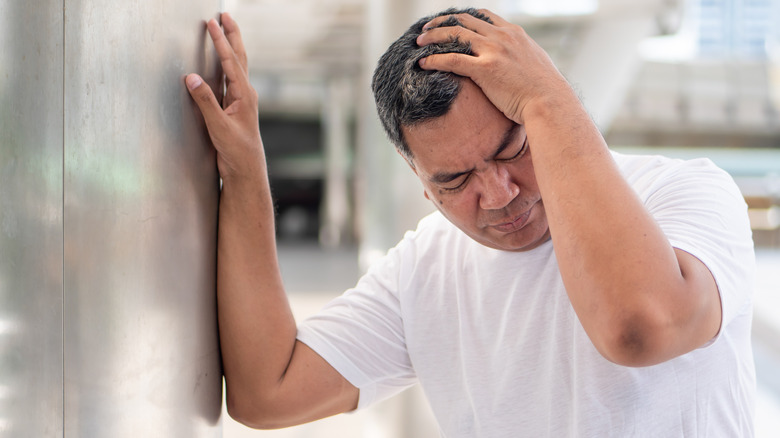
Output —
(640, 300)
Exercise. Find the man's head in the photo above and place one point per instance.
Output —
(473, 162)
(407, 95)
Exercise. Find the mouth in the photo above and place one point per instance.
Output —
(513, 224)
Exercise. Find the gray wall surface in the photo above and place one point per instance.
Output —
(31, 219)
(108, 219)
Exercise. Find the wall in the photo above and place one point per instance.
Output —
(108, 214)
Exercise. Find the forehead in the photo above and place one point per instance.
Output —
(469, 133)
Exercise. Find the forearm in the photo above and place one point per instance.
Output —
(257, 329)
(620, 272)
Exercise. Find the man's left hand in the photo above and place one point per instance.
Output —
(509, 67)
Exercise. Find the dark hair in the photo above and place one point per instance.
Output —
(404, 93)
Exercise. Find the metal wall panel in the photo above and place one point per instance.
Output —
(141, 356)
(31, 219)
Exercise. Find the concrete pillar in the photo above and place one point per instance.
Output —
(336, 121)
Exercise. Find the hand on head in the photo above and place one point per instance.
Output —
(509, 67)
(233, 126)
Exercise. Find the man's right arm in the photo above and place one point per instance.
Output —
(272, 379)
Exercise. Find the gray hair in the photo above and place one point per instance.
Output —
(405, 94)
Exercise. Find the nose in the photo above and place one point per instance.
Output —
(498, 187)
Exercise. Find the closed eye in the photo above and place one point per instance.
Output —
(460, 183)
(520, 152)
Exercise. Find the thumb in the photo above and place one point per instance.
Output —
(203, 96)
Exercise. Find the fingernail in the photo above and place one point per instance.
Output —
(193, 82)
(421, 62)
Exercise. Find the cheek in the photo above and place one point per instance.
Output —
(457, 209)
(435, 199)
(440, 198)
(524, 177)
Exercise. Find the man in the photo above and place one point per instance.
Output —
(560, 290)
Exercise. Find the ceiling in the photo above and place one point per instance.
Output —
(310, 37)
(294, 45)
(300, 37)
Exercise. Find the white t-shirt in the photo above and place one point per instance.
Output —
(499, 352)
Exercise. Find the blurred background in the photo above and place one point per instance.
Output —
(684, 78)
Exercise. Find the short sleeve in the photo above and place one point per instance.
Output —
(702, 212)
(361, 333)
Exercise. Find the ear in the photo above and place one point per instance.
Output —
(425, 193)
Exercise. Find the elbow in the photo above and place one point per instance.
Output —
(626, 346)
(244, 411)
(634, 342)
(251, 411)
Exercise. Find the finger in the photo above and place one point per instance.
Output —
(466, 20)
(442, 35)
(497, 20)
(458, 63)
(203, 96)
(230, 63)
(233, 35)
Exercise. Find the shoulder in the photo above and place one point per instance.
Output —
(636, 166)
(694, 194)
(434, 233)
(434, 245)
(656, 177)
(426, 241)
(433, 223)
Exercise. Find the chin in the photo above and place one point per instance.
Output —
(516, 243)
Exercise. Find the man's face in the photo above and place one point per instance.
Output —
(475, 166)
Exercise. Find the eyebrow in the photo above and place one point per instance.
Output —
(509, 136)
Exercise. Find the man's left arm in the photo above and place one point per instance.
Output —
(640, 300)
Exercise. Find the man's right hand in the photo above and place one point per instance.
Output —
(233, 127)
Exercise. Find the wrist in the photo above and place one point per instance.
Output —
(249, 170)
(245, 182)
(557, 101)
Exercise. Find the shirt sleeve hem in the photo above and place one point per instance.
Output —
(341, 364)
(724, 317)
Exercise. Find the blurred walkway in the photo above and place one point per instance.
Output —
(314, 275)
